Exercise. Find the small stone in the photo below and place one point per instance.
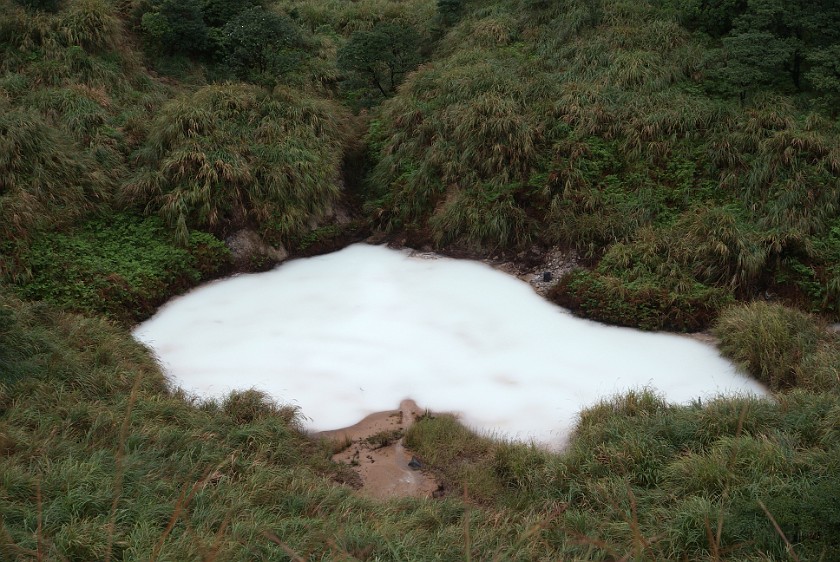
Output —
(546, 276)
(415, 464)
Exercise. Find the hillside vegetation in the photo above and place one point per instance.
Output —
(688, 152)
(611, 129)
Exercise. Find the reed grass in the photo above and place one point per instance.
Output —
(234, 155)
(44, 179)
(781, 347)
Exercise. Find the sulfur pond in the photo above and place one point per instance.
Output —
(355, 332)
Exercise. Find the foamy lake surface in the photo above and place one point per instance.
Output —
(355, 332)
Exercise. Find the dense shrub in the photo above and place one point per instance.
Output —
(234, 155)
(260, 44)
(45, 180)
(646, 305)
(381, 58)
(176, 26)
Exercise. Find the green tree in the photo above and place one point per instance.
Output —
(218, 12)
(787, 32)
(176, 27)
(714, 17)
(382, 56)
(753, 60)
(824, 75)
(258, 42)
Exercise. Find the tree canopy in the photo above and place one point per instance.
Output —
(382, 56)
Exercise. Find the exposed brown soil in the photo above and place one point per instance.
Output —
(375, 450)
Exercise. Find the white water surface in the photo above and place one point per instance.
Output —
(351, 333)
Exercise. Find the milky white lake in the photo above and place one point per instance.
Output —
(354, 332)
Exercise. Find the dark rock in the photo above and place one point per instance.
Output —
(415, 464)
(248, 249)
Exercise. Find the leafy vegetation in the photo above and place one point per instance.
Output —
(123, 268)
(259, 43)
(381, 57)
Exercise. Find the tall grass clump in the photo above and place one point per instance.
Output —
(91, 25)
(44, 179)
(236, 155)
(483, 218)
(455, 149)
(781, 347)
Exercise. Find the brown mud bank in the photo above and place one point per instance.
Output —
(375, 451)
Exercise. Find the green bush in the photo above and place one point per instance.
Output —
(779, 346)
(381, 57)
(235, 155)
(176, 26)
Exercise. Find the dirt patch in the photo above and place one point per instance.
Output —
(374, 449)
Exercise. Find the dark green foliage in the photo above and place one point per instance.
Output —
(382, 56)
(258, 42)
(753, 60)
(217, 13)
(771, 41)
(715, 17)
(641, 304)
(176, 26)
(45, 5)
(449, 11)
(824, 75)
(123, 267)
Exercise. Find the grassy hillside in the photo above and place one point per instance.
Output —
(607, 128)
(687, 150)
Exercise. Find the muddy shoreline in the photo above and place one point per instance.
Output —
(374, 448)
